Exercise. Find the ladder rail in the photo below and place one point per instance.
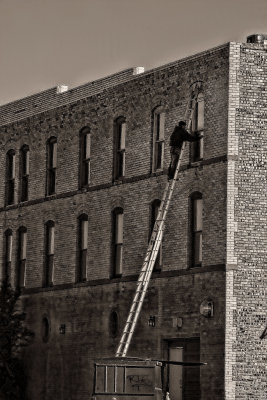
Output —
(153, 248)
(149, 269)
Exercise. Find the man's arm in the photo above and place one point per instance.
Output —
(191, 138)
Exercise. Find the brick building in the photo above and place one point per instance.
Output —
(83, 172)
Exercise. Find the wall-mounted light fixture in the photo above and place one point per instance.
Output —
(206, 308)
(177, 322)
(62, 329)
(152, 321)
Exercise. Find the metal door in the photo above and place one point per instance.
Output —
(176, 374)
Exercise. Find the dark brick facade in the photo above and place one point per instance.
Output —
(60, 366)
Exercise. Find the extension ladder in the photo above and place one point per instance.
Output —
(154, 245)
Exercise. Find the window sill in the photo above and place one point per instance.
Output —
(116, 277)
(195, 266)
(157, 270)
(196, 163)
(81, 281)
(119, 181)
(158, 171)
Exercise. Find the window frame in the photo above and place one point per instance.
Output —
(119, 152)
(48, 277)
(153, 216)
(113, 324)
(85, 157)
(158, 139)
(8, 247)
(10, 177)
(24, 173)
(82, 248)
(117, 245)
(45, 329)
(51, 165)
(21, 257)
(197, 148)
(196, 232)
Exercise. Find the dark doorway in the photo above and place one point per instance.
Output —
(184, 382)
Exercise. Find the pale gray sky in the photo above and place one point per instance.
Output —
(47, 42)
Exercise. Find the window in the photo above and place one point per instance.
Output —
(51, 166)
(119, 148)
(8, 254)
(113, 324)
(10, 177)
(82, 247)
(117, 242)
(196, 233)
(85, 157)
(158, 139)
(49, 253)
(24, 172)
(197, 128)
(45, 329)
(154, 212)
(21, 262)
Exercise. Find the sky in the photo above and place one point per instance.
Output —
(44, 43)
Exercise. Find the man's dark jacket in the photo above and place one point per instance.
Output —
(179, 135)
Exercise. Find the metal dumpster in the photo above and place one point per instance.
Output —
(121, 379)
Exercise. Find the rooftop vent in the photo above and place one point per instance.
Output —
(62, 88)
(258, 38)
(138, 70)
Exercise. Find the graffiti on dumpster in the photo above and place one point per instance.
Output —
(139, 383)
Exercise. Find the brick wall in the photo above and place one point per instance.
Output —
(246, 283)
(61, 368)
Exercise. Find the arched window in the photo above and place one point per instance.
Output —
(10, 177)
(24, 172)
(155, 205)
(113, 324)
(8, 238)
(49, 253)
(85, 157)
(119, 148)
(51, 163)
(45, 329)
(196, 229)
(158, 139)
(117, 242)
(82, 247)
(21, 257)
(198, 128)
